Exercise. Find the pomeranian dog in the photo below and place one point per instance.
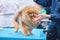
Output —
(24, 19)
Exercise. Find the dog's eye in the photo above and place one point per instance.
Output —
(30, 13)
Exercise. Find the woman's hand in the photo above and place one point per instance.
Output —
(44, 16)
(39, 17)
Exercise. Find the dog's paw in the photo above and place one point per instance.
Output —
(31, 34)
(16, 31)
(26, 34)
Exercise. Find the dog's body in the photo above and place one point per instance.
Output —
(24, 19)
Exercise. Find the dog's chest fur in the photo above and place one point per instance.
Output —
(25, 18)
(29, 23)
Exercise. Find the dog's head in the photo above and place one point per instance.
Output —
(30, 13)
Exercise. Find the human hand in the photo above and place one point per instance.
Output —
(40, 17)
(44, 16)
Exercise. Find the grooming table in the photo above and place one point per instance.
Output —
(9, 34)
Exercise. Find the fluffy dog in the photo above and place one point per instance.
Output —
(24, 18)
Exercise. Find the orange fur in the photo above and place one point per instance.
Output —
(25, 17)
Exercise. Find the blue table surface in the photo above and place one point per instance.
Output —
(9, 33)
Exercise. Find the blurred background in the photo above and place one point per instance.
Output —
(8, 9)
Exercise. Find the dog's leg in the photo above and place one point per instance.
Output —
(16, 25)
(24, 30)
(30, 31)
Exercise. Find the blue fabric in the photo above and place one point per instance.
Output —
(9, 34)
(54, 29)
(51, 25)
(54, 26)
(55, 15)
(44, 3)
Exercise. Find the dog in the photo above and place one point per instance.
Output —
(24, 19)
